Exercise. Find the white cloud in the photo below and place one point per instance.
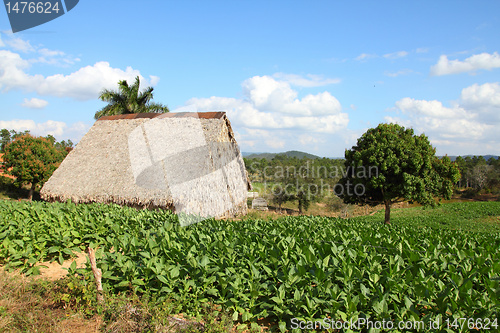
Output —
(270, 113)
(265, 93)
(392, 56)
(17, 44)
(270, 139)
(87, 82)
(54, 58)
(365, 56)
(35, 103)
(396, 55)
(58, 129)
(428, 108)
(306, 139)
(55, 128)
(442, 122)
(84, 84)
(270, 104)
(398, 73)
(422, 50)
(310, 80)
(153, 80)
(76, 131)
(484, 99)
(471, 64)
(471, 121)
(12, 71)
(241, 139)
(276, 144)
(487, 94)
(50, 53)
(41, 54)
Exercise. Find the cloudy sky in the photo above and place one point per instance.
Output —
(292, 75)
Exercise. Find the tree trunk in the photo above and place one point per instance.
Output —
(387, 212)
(32, 190)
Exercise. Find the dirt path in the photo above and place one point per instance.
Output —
(54, 271)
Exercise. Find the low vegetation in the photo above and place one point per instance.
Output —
(434, 263)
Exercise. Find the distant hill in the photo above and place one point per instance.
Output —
(270, 156)
(300, 154)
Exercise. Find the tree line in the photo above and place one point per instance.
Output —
(389, 164)
(303, 180)
(31, 159)
(479, 174)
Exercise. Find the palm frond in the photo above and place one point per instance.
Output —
(128, 99)
(157, 108)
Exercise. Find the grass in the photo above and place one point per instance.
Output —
(481, 216)
(476, 217)
(28, 304)
(264, 189)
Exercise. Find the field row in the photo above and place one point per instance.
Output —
(295, 267)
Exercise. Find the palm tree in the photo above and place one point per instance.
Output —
(128, 99)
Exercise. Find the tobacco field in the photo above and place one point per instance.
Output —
(424, 266)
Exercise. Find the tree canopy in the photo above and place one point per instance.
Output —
(32, 160)
(391, 164)
(128, 99)
(288, 178)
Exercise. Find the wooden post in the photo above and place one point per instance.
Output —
(97, 275)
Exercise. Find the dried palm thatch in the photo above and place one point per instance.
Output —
(187, 162)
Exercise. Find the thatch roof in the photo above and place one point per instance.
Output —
(187, 162)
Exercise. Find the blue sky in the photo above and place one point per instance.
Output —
(291, 75)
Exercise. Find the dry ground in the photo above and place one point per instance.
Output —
(27, 305)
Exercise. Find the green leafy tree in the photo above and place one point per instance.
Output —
(304, 199)
(5, 137)
(32, 160)
(62, 145)
(460, 162)
(305, 190)
(390, 164)
(128, 99)
(281, 195)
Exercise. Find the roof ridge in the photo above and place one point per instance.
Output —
(150, 115)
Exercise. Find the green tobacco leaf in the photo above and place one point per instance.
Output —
(162, 279)
(123, 284)
(138, 282)
(204, 261)
(174, 272)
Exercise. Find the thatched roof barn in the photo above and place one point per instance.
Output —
(187, 162)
